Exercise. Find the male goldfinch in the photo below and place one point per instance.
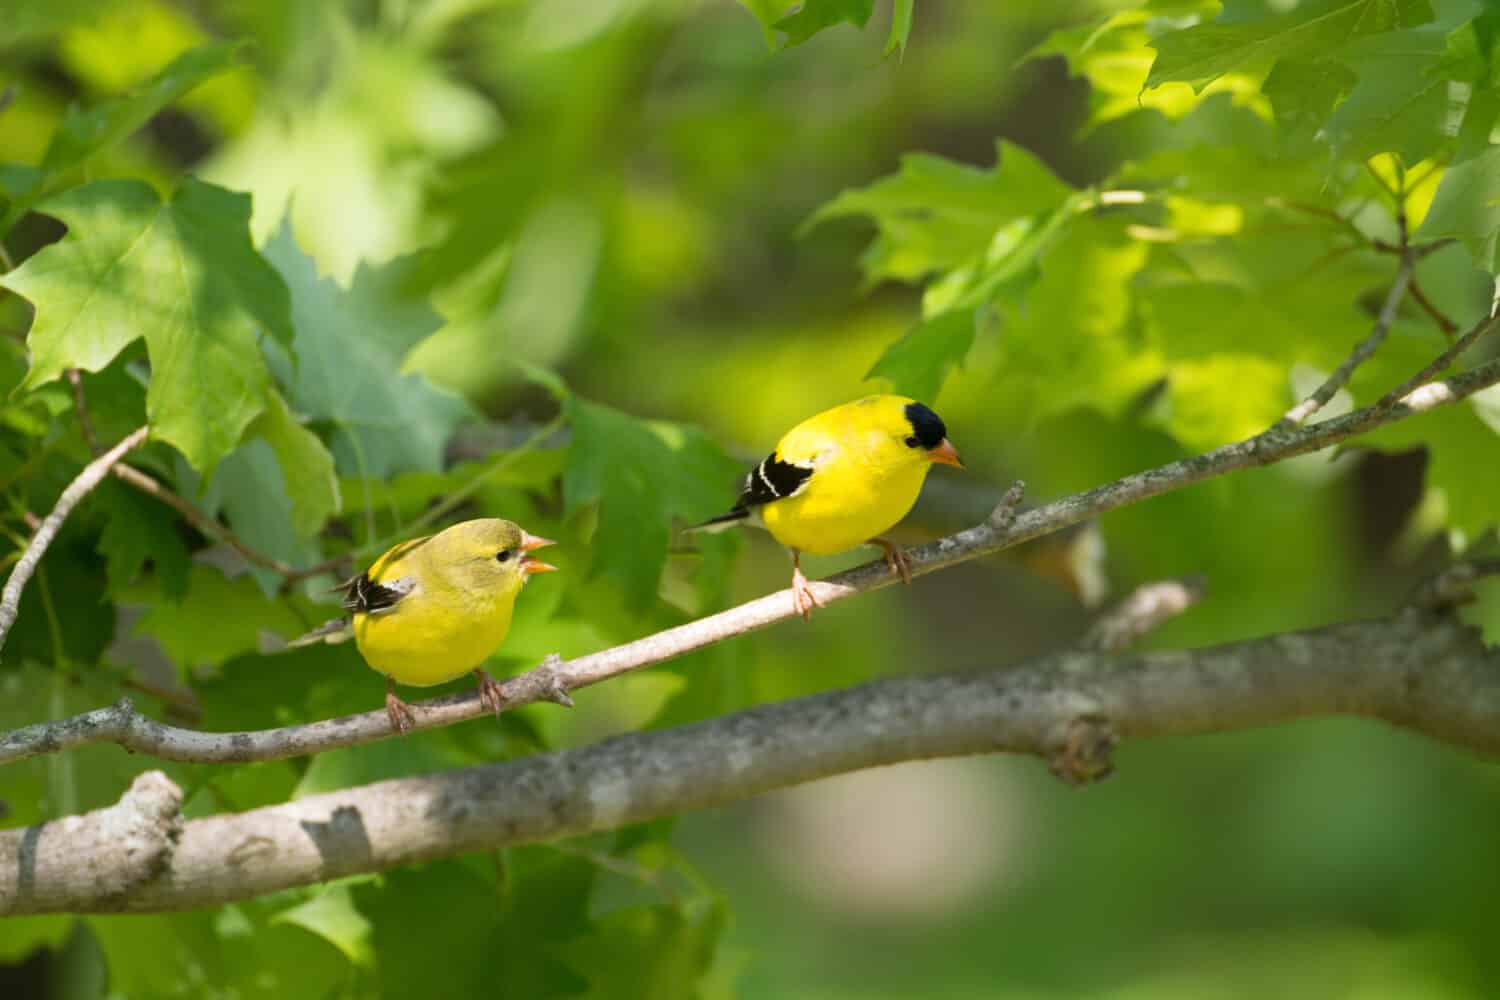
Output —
(841, 479)
(435, 608)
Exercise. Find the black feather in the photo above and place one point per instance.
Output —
(927, 427)
(772, 479)
(362, 594)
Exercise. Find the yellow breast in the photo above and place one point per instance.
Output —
(846, 503)
(422, 642)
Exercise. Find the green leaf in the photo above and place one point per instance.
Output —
(1467, 207)
(1400, 103)
(306, 466)
(350, 347)
(219, 619)
(934, 213)
(183, 275)
(1461, 442)
(919, 363)
(332, 916)
(767, 12)
(1201, 54)
(1071, 342)
(254, 491)
(649, 951)
(1223, 398)
(138, 528)
(642, 474)
(901, 11)
(85, 133)
(815, 15)
(36, 19)
(1303, 92)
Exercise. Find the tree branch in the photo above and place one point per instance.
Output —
(82, 484)
(1421, 672)
(553, 680)
(1148, 607)
(1303, 411)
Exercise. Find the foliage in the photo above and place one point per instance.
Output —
(314, 264)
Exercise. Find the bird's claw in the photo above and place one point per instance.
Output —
(399, 712)
(803, 598)
(896, 558)
(491, 693)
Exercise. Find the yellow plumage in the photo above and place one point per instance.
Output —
(435, 608)
(865, 477)
(843, 478)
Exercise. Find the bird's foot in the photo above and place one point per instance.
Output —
(399, 712)
(803, 599)
(896, 558)
(491, 693)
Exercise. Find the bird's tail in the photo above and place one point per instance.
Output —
(723, 521)
(334, 631)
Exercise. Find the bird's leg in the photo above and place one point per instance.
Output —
(398, 711)
(803, 599)
(491, 693)
(895, 558)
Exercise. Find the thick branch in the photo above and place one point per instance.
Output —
(123, 725)
(82, 484)
(1424, 673)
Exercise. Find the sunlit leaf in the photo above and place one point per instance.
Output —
(183, 275)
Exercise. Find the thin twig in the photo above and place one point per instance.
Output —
(209, 526)
(1362, 352)
(1147, 608)
(91, 476)
(1418, 296)
(554, 679)
(1442, 361)
(81, 407)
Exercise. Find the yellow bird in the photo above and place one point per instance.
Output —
(843, 478)
(435, 608)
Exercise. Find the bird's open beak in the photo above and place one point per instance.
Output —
(530, 543)
(946, 454)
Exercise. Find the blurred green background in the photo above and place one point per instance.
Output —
(617, 190)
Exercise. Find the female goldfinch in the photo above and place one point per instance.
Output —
(841, 479)
(436, 607)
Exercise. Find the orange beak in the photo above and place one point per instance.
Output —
(945, 454)
(530, 543)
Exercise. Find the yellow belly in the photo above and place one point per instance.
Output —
(845, 508)
(430, 646)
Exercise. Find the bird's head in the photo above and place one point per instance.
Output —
(491, 553)
(914, 429)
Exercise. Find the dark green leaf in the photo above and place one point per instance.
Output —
(642, 475)
(1201, 54)
(138, 528)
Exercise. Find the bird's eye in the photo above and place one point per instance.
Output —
(912, 441)
(504, 555)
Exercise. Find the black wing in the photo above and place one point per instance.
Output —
(364, 595)
(773, 479)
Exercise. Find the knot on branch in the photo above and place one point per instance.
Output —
(1081, 750)
(1005, 511)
